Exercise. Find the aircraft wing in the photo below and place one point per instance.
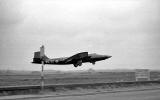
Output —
(77, 57)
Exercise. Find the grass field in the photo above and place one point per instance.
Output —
(12, 79)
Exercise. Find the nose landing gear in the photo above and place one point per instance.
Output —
(93, 62)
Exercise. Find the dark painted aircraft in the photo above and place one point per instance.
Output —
(76, 60)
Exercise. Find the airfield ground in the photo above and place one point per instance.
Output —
(136, 92)
(33, 78)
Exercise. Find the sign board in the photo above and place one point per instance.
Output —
(142, 75)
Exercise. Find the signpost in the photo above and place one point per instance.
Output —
(142, 75)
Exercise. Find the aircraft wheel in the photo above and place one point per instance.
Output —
(93, 63)
(75, 65)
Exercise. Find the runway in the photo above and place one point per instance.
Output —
(134, 95)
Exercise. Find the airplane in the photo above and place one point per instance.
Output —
(76, 60)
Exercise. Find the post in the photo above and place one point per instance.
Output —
(42, 73)
(42, 77)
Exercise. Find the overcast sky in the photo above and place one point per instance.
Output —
(128, 30)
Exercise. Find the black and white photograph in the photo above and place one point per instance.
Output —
(79, 49)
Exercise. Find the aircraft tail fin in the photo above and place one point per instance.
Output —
(42, 51)
(39, 56)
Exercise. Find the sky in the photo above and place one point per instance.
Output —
(128, 30)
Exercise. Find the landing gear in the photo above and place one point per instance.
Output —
(93, 63)
(79, 63)
(75, 65)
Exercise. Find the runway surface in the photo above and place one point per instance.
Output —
(134, 95)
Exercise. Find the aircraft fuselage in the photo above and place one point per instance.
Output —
(90, 58)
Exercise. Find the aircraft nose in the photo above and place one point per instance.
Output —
(107, 56)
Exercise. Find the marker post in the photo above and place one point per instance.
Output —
(42, 76)
(42, 66)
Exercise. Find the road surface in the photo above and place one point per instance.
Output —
(134, 95)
